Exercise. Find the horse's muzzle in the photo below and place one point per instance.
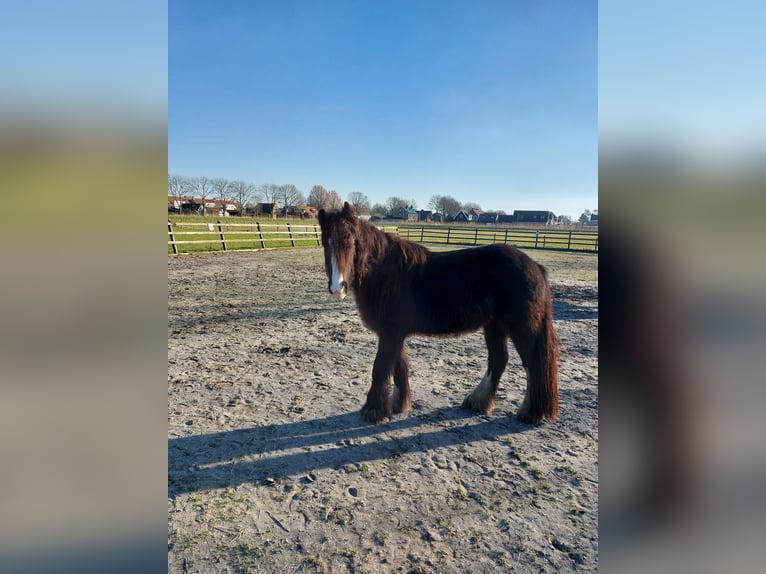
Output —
(340, 293)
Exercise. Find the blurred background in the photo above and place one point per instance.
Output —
(83, 168)
(682, 144)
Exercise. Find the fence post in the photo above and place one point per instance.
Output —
(476, 237)
(537, 236)
(223, 239)
(421, 233)
(316, 232)
(290, 233)
(569, 242)
(505, 241)
(448, 230)
(260, 234)
(172, 238)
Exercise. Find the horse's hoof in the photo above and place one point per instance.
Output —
(373, 415)
(526, 417)
(471, 403)
(402, 404)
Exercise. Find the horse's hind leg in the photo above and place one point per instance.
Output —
(539, 355)
(482, 398)
(402, 398)
(378, 405)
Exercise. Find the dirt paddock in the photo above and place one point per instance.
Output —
(272, 469)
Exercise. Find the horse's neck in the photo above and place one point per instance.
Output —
(374, 246)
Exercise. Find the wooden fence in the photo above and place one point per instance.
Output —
(193, 237)
(565, 240)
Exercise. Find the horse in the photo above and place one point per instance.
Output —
(403, 288)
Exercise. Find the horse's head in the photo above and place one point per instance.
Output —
(339, 232)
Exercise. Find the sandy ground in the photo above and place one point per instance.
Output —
(272, 469)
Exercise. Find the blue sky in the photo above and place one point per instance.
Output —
(490, 102)
(685, 72)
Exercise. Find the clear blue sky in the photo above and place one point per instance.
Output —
(493, 102)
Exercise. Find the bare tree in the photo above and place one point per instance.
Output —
(269, 192)
(378, 209)
(318, 198)
(290, 196)
(221, 188)
(447, 205)
(242, 193)
(176, 185)
(335, 201)
(469, 205)
(187, 186)
(584, 217)
(359, 201)
(200, 187)
(396, 207)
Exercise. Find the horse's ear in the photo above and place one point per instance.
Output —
(348, 211)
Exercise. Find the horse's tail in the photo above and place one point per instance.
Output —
(542, 400)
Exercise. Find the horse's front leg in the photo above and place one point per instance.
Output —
(378, 405)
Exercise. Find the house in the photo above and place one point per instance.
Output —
(424, 215)
(474, 214)
(593, 218)
(436, 217)
(524, 216)
(263, 209)
(505, 218)
(175, 202)
(487, 218)
(462, 217)
(308, 212)
(193, 207)
(411, 214)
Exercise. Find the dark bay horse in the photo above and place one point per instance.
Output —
(402, 288)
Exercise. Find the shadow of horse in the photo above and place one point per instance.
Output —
(260, 454)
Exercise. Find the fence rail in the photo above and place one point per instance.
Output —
(565, 240)
(190, 237)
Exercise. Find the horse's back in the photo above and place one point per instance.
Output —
(459, 291)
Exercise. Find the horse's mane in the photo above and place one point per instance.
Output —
(376, 247)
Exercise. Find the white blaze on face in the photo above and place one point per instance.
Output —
(337, 286)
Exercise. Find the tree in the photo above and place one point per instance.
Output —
(447, 205)
(565, 220)
(318, 198)
(290, 196)
(585, 217)
(396, 207)
(200, 187)
(469, 205)
(176, 185)
(221, 188)
(335, 201)
(242, 193)
(269, 192)
(359, 201)
(378, 209)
